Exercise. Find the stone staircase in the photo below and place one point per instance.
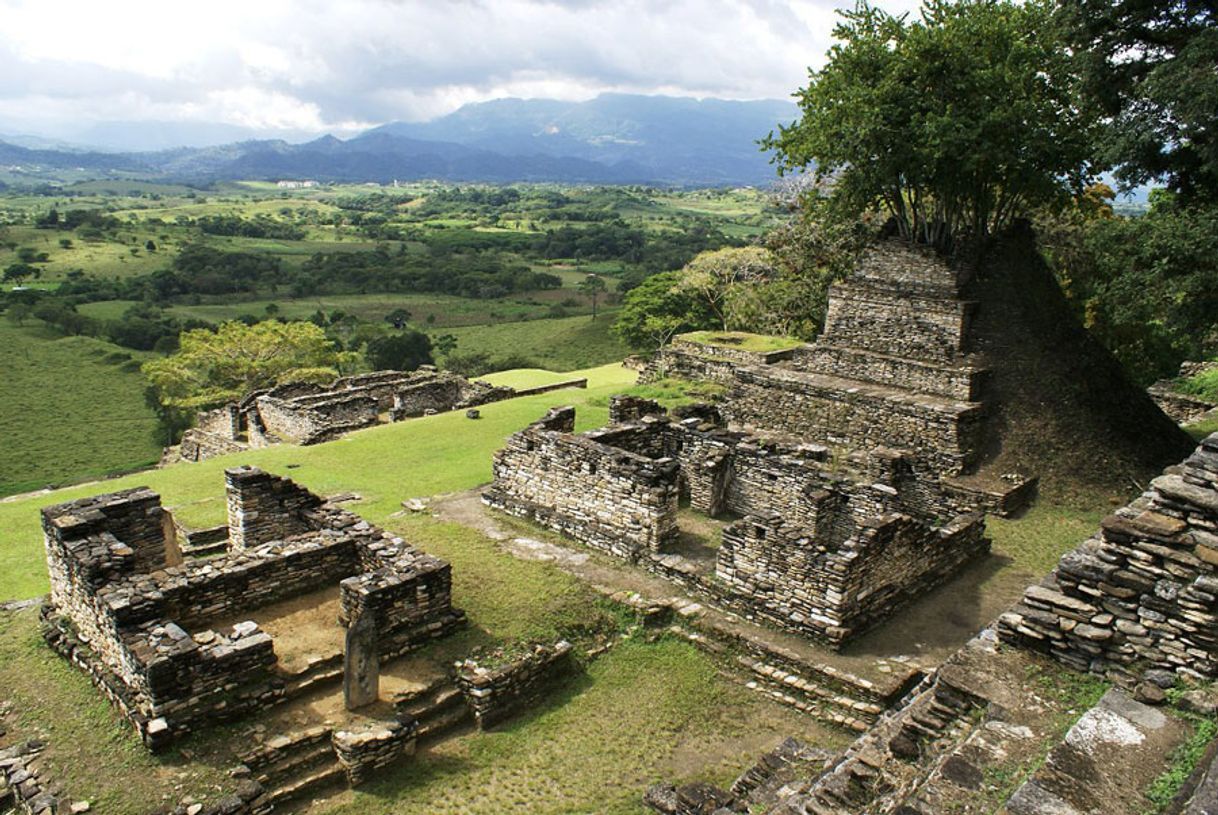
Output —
(294, 765)
(439, 708)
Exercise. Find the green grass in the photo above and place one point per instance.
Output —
(56, 702)
(563, 344)
(70, 408)
(1203, 428)
(1184, 759)
(385, 464)
(673, 393)
(1035, 541)
(624, 725)
(742, 340)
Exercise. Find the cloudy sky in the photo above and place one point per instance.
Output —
(69, 67)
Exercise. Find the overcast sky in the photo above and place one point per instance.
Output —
(342, 65)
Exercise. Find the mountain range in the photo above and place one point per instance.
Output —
(612, 139)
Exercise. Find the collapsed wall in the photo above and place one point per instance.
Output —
(143, 626)
(825, 552)
(1143, 592)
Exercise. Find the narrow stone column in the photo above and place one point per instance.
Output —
(361, 666)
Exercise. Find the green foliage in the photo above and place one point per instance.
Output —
(212, 367)
(1146, 287)
(1184, 760)
(658, 309)
(953, 123)
(1204, 384)
(404, 351)
(1149, 69)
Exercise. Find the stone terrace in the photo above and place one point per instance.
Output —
(824, 550)
(151, 628)
(1001, 727)
(305, 413)
(894, 367)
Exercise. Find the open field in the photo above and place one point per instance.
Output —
(71, 408)
(558, 344)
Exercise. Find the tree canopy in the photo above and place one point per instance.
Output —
(953, 123)
(1149, 69)
(212, 367)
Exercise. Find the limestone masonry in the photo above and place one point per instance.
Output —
(826, 550)
(126, 608)
(304, 413)
(1136, 604)
(1143, 592)
(893, 367)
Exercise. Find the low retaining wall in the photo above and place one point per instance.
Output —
(363, 753)
(495, 693)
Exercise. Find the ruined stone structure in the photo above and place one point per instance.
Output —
(494, 692)
(304, 413)
(1184, 408)
(824, 550)
(1143, 592)
(894, 366)
(142, 623)
(1136, 604)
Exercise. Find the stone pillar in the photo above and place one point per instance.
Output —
(361, 667)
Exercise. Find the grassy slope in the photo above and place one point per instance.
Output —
(385, 464)
(562, 345)
(66, 413)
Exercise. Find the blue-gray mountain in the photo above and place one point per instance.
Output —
(613, 139)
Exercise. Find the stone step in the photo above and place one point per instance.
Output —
(954, 379)
(285, 746)
(330, 776)
(298, 765)
(313, 680)
(1111, 754)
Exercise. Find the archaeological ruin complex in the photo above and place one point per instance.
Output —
(849, 463)
(147, 625)
(306, 413)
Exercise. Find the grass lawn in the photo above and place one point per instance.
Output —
(70, 408)
(563, 344)
(385, 464)
(742, 340)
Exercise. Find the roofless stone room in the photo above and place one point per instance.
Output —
(618, 408)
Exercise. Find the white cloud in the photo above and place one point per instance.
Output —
(338, 65)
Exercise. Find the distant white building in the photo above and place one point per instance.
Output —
(295, 185)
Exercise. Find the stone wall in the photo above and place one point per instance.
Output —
(364, 752)
(263, 507)
(197, 445)
(496, 692)
(143, 628)
(833, 591)
(946, 434)
(606, 497)
(826, 548)
(1143, 592)
(316, 420)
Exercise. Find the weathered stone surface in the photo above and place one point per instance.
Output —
(361, 663)
(145, 630)
(1152, 572)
